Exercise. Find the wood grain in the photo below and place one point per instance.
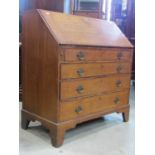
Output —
(77, 30)
(93, 86)
(98, 54)
(92, 105)
(40, 68)
(52, 92)
(80, 70)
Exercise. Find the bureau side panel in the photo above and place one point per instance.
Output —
(40, 68)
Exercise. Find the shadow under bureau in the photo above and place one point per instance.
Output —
(74, 69)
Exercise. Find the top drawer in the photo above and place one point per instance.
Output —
(94, 54)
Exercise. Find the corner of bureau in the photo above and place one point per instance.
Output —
(74, 69)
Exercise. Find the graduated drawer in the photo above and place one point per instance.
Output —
(90, 86)
(93, 69)
(81, 107)
(94, 54)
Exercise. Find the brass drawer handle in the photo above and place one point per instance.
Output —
(78, 109)
(119, 55)
(118, 83)
(80, 89)
(81, 56)
(80, 72)
(119, 68)
(116, 100)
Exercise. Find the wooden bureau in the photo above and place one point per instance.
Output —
(74, 69)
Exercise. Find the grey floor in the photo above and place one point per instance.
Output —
(107, 136)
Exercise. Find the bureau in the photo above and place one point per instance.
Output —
(74, 69)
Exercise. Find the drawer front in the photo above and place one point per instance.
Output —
(106, 54)
(84, 87)
(93, 69)
(86, 106)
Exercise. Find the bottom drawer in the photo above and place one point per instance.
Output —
(81, 107)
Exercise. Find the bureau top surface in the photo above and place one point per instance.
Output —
(76, 30)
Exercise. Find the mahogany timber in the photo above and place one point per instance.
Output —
(55, 96)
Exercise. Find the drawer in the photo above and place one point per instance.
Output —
(90, 86)
(93, 54)
(93, 69)
(81, 107)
